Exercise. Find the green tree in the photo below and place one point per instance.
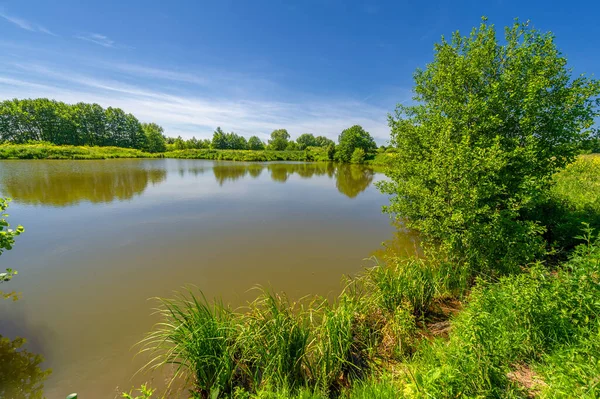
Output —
(219, 140)
(351, 139)
(358, 156)
(322, 141)
(180, 143)
(155, 139)
(291, 146)
(279, 140)
(331, 152)
(236, 142)
(254, 143)
(493, 121)
(306, 140)
(41, 119)
(90, 122)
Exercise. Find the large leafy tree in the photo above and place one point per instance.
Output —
(306, 140)
(155, 139)
(279, 140)
(236, 142)
(351, 139)
(322, 141)
(219, 140)
(254, 143)
(493, 119)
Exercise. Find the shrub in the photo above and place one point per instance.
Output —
(475, 160)
(351, 139)
(358, 156)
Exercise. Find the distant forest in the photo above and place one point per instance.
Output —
(43, 120)
(23, 121)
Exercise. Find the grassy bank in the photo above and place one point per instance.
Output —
(398, 331)
(406, 328)
(310, 154)
(50, 151)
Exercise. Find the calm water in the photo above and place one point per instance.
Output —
(104, 236)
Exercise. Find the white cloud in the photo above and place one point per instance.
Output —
(97, 38)
(194, 114)
(24, 24)
(157, 73)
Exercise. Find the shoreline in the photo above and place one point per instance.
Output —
(68, 152)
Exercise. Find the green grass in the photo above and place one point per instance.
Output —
(310, 154)
(199, 339)
(381, 158)
(579, 183)
(531, 333)
(575, 199)
(530, 321)
(51, 151)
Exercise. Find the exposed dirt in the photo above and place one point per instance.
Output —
(527, 378)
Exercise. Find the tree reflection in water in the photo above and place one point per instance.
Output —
(92, 181)
(20, 373)
(350, 180)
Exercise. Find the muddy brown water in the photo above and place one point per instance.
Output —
(102, 237)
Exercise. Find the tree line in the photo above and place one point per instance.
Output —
(354, 143)
(23, 121)
(35, 120)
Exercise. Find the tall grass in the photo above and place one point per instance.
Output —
(533, 332)
(199, 339)
(51, 151)
(415, 282)
(274, 337)
(536, 321)
(338, 353)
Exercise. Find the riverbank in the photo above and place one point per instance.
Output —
(50, 151)
(410, 327)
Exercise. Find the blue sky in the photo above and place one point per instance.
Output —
(314, 66)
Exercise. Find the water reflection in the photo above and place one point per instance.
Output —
(350, 180)
(48, 183)
(279, 172)
(20, 373)
(63, 183)
(298, 237)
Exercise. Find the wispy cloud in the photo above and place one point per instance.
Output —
(193, 114)
(24, 24)
(157, 73)
(97, 38)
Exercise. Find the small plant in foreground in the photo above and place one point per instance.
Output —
(198, 338)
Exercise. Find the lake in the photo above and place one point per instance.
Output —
(102, 237)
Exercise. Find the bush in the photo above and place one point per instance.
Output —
(351, 139)
(472, 165)
(358, 156)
